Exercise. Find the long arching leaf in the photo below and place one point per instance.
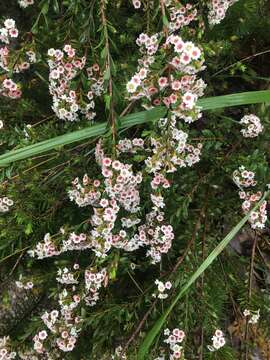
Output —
(142, 117)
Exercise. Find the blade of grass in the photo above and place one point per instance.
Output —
(86, 133)
(127, 121)
(246, 98)
(151, 335)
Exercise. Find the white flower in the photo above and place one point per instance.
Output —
(255, 317)
(253, 126)
(131, 87)
(136, 4)
(51, 52)
(9, 23)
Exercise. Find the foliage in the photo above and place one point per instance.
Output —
(42, 154)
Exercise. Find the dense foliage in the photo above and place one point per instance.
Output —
(147, 169)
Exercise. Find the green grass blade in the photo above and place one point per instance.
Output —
(75, 136)
(150, 337)
(246, 98)
(142, 117)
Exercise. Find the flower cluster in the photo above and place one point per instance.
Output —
(69, 100)
(244, 178)
(5, 204)
(10, 60)
(174, 338)
(218, 9)
(26, 285)
(13, 60)
(257, 217)
(162, 287)
(253, 126)
(9, 31)
(118, 190)
(253, 316)
(93, 283)
(65, 276)
(168, 155)
(218, 341)
(10, 89)
(180, 15)
(5, 350)
(177, 88)
(25, 3)
(85, 194)
(64, 325)
(44, 249)
(155, 233)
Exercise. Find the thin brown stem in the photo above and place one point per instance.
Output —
(138, 328)
(165, 29)
(241, 60)
(190, 243)
(108, 67)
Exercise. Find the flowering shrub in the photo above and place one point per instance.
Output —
(68, 101)
(102, 229)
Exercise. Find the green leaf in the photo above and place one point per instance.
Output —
(28, 229)
(246, 98)
(93, 131)
(150, 337)
(165, 21)
(138, 118)
(45, 7)
(107, 74)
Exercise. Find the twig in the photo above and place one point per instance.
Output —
(17, 262)
(135, 282)
(241, 60)
(126, 110)
(165, 29)
(140, 325)
(108, 67)
(15, 252)
(191, 241)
